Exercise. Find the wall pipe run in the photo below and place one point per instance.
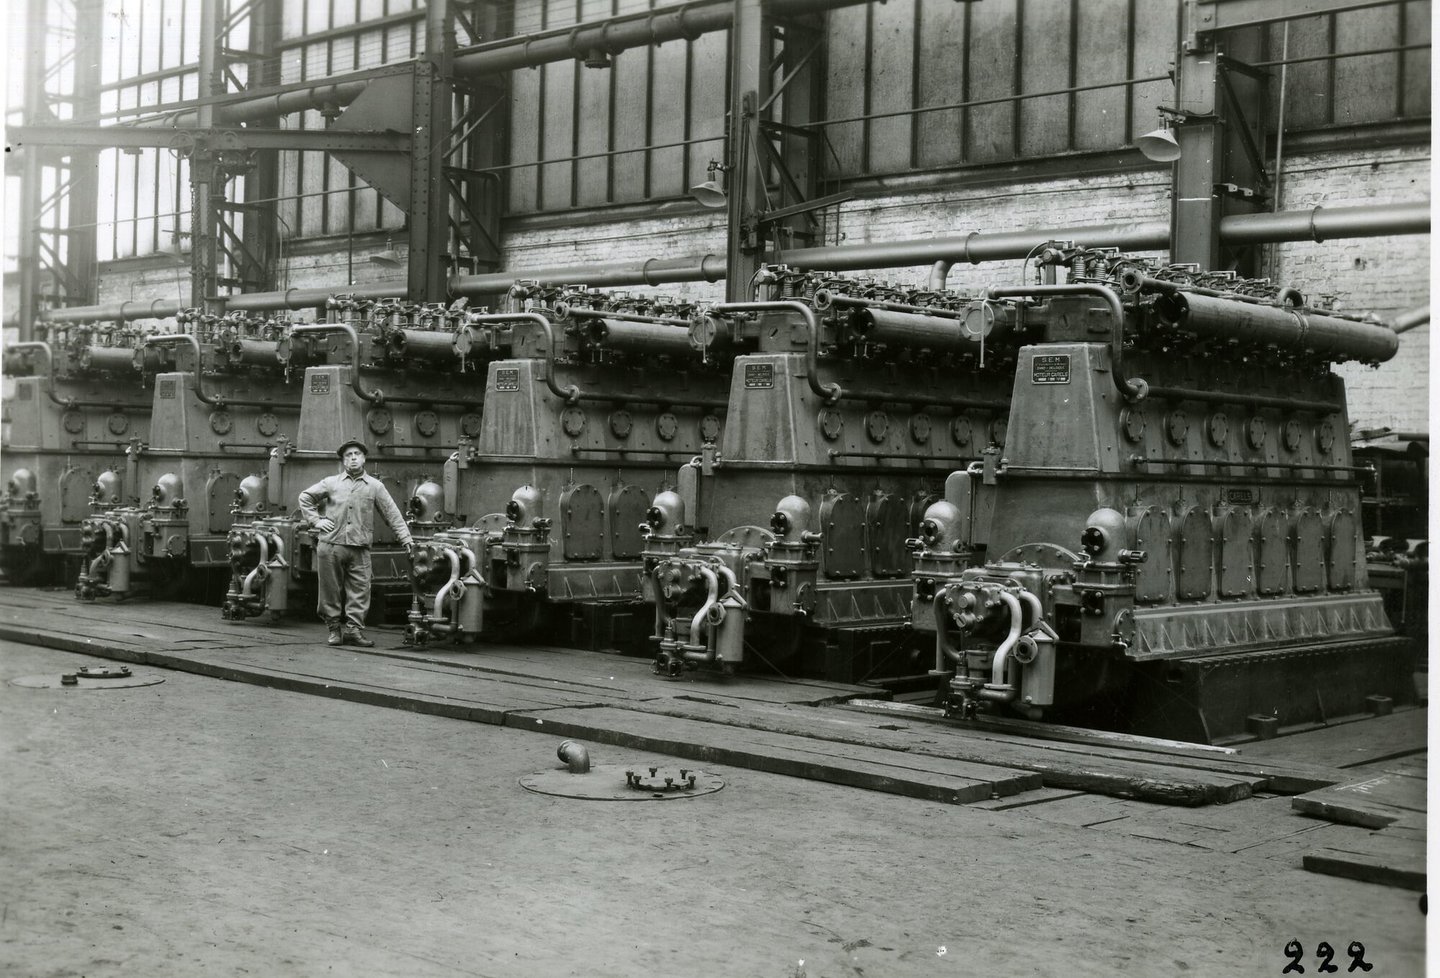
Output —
(687, 20)
(1411, 217)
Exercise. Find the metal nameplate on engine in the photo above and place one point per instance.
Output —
(507, 379)
(1052, 368)
(759, 376)
(1240, 497)
(320, 384)
(167, 388)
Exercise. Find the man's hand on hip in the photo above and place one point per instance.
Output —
(324, 524)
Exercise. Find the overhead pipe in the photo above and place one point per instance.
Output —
(117, 311)
(1132, 389)
(321, 97)
(305, 298)
(655, 271)
(1407, 321)
(1324, 223)
(686, 20)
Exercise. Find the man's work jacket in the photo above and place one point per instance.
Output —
(352, 502)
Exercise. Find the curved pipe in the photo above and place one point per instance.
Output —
(939, 272)
(44, 348)
(575, 756)
(195, 348)
(942, 632)
(1131, 389)
(246, 588)
(373, 397)
(444, 591)
(712, 597)
(1002, 654)
(829, 392)
(570, 394)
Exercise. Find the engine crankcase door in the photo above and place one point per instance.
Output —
(1194, 555)
(885, 525)
(1236, 569)
(626, 509)
(1152, 535)
(1309, 552)
(75, 485)
(1272, 539)
(1342, 551)
(843, 524)
(220, 491)
(582, 526)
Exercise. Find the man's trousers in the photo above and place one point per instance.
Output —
(344, 573)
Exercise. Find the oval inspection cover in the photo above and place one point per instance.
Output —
(616, 782)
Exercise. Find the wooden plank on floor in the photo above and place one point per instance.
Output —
(1373, 802)
(1373, 859)
(930, 778)
(1275, 776)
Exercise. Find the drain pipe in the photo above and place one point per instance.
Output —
(1132, 389)
(830, 392)
(195, 348)
(575, 756)
(571, 393)
(376, 396)
(938, 273)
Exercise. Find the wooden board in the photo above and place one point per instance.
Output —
(1350, 744)
(1396, 795)
(1375, 858)
(933, 779)
(1168, 756)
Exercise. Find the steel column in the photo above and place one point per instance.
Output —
(430, 136)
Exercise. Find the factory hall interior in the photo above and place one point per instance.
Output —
(755, 488)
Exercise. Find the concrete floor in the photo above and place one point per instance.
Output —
(200, 827)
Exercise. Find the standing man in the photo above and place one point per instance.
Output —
(346, 531)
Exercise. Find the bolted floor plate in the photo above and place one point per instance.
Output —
(89, 677)
(615, 782)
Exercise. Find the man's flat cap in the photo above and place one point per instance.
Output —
(352, 443)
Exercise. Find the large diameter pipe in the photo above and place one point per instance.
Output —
(704, 268)
(618, 334)
(912, 330)
(305, 298)
(266, 106)
(1412, 319)
(121, 358)
(117, 311)
(433, 346)
(1291, 329)
(1325, 224)
(258, 353)
(687, 20)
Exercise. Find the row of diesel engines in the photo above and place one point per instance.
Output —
(1120, 493)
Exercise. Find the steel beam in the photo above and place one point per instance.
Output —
(1224, 15)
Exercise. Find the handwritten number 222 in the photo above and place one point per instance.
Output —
(1294, 951)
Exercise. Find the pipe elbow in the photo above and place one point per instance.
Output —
(575, 756)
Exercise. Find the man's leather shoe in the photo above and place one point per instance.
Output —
(358, 638)
(334, 638)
